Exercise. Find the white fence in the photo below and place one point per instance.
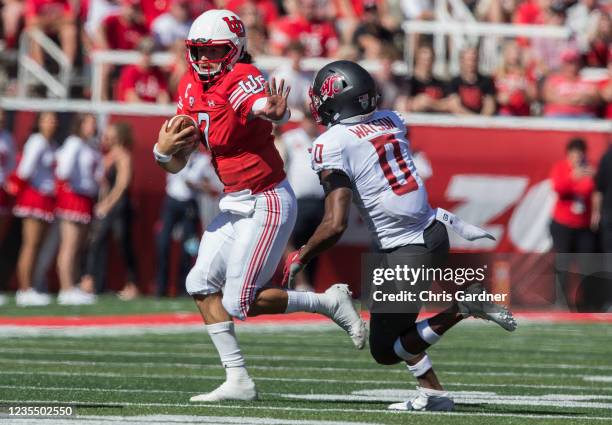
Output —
(442, 120)
(449, 38)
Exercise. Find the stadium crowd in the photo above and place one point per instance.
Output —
(538, 76)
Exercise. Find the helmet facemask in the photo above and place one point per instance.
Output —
(217, 62)
(315, 104)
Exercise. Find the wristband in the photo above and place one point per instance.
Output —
(160, 157)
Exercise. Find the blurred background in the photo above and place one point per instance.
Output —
(509, 104)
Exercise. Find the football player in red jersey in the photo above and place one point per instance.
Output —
(235, 108)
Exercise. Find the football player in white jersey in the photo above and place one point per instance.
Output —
(364, 156)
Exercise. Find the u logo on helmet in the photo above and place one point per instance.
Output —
(235, 25)
(331, 86)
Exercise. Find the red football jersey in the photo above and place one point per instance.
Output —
(242, 150)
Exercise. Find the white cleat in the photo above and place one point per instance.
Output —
(426, 400)
(243, 390)
(338, 306)
(31, 298)
(75, 296)
(487, 310)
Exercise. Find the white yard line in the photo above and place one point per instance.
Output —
(220, 377)
(273, 368)
(175, 419)
(582, 416)
(361, 395)
(10, 331)
(214, 355)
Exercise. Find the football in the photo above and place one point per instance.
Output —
(185, 121)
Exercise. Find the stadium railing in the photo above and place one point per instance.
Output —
(459, 35)
(442, 120)
(31, 72)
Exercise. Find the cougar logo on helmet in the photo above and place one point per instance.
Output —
(331, 86)
(235, 25)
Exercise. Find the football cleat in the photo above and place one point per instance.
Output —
(426, 400)
(337, 304)
(242, 390)
(486, 310)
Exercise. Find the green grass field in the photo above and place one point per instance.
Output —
(541, 374)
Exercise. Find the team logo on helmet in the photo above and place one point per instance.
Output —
(331, 86)
(235, 25)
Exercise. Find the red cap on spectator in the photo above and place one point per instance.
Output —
(570, 55)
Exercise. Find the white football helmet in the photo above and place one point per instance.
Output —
(215, 27)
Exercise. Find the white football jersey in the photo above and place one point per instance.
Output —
(375, 155)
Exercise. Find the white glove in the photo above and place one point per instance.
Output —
(465, 230)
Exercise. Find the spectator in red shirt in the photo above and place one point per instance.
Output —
(471, 92)
(572, 180)
(566, 94)
(55, 18)
(122, 30)
(143, 82)
(304, 23)
(515, 90)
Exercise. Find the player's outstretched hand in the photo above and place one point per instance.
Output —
(276, 104)
(171, 139)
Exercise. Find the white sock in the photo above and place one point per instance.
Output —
(303, 301)
(224, 339)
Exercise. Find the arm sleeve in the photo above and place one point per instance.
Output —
(32, 151)
(247, 87)
(66, 158)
